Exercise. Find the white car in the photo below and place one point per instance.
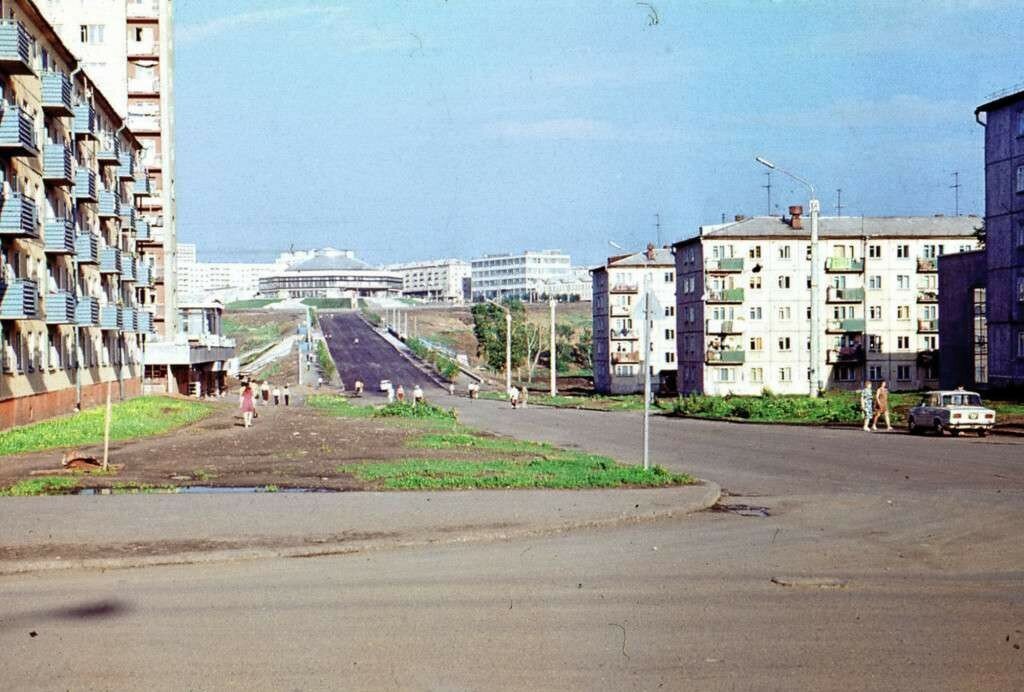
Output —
(954, 410)
(385, 385)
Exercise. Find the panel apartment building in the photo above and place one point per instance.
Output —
(441, 281)
(71, 323)
(743, 302)
(128, 46)
(523, 277)
(618, 314)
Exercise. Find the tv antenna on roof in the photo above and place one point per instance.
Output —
(956, 190)
(657, 227)
(768, 187)
(839, 201)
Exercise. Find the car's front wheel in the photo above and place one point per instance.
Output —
(982, 432)
(911, 427)
(937, 427)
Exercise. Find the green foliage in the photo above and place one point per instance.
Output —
(338, 406)
(341, 407)
(489, 327)
(594, 402)
(781, 409)
(140, 417)
(253, 337)
(450, 440)
(408, 409)
(254, 304)
(373, 318)
(329, 303)
(447, 367)
(42, 485)
(323, 357)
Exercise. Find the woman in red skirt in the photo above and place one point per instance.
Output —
(247, 403)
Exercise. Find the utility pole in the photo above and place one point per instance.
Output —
(554, 354)
(768, 187)
(839, 201)
(956, 190)
(657, 228)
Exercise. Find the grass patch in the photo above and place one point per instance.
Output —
(454, 440)
(596, 402)
(444, 365)
(338, 406)
(254, 304)
(406, 409)
(43, 485)
(328, 303)
(140, 417)
(341, 407)
(833, 407)
(323, 358)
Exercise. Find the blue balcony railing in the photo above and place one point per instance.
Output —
(109, 150)
(60, 308)
(87, 312)
(110, 260)
(17, 132)
(110, 317)
(19, 217)
(143, 275)
(110, 204)
(56, 94)
(141, 229)
(20, 300)
(126, 166)
(87, 249)
(127, 217)
(141, 187)
(85, 185)
(15, 48)
(129, 319)
(85, 121)
(128, 268)
(57, 164)
(145, 322)
(59, 236)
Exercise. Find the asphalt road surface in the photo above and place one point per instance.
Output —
(372, 359)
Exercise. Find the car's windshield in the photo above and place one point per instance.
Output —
(961, 400)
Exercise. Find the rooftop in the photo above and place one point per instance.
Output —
(1001, 97)
(852, 227)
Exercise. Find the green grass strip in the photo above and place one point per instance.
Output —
(135, 418)
(42, 485)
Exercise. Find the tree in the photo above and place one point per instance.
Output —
(979, 233)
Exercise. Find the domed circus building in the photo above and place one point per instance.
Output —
(331, 273)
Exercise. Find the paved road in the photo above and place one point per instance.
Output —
(372, 359)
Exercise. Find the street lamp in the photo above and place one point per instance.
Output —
(508, 344)
(553, 357)
(647, 355)
(814, 376)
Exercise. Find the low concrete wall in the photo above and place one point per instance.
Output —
(37, 407)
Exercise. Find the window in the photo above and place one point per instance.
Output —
(903, 373)
(1020, 178)
(874, 251)
(91, 33)
(979, 326)
(783, 282)
(903, 282)
(757, 374)
(784, 343)
(670, 357)
(845, 373)
(755, 281)
(669, 277)
(902, 251)
(724, 375)
(875, 283)
(1020, 289)
(903, 312)
(903, 343)
(755, 252)
(875, 372)
(1020, 233)
(670, 333)
(785, 374)
(1020, 123)
(930, 343)
(670, 311)
(784, 249)
(785, 313)
(755, 313)
(756, 343)
(875, 312)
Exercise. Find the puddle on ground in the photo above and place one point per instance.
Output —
(197, 489)
(742, 510)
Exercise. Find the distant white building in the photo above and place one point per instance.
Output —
(618, 314)
(443, 280)
(525, 276)
(331, 273)
(186, 265)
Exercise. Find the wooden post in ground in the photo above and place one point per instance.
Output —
(106, 429)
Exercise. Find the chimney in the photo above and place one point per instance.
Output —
(739, 217)
(795, 221)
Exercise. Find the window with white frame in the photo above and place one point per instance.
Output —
(784, 250)
(845, 373)
(670, 333)
(902, 251)
(902, 343)
(903, 282)
(875, 283)
(874, 372)
(903, 312)
(1020, 178)
(755, 312)
(755, 281)
(785, 312)
(756, 343)
(874, 251)
(783, 281)
(874, 343)
(755, 252)
(904, 373)
(669, 277)
(725, 375)
(670, 311)
(785, 374)
(91, 33)
(930, 342)
(670, 357)
(875, 312)
(784, 343)
(757, 374)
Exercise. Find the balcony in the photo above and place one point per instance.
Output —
(143, 87)
(110, 204)
(845, 354)
(142, 124)
(844, 264)
(927, 265)
(56, 94)
(143, 49)
(87, 312)
(141, 229)
(15, 48)
(143, 276)
(728, 295)
(57, 168)
(141, 187)
(620, 310)
(128, 268)
(110, 317)
(625, 288)
(717, 357)
(854, 326)
(20, 300)
(144, 10)
(128, 319)
(110, 260)
(17, 132)
(87, 249)
(109, 151)
(145, 322)
(928, 358)
(625, 357)
(725, 265)
(928, 326)
(84, 124)
(845, 295)
(59, 236)
(127, 217)
(724, 326)
(930, 295)
(60, 308)
(126, 166)
(623, 335)
(85, 185)
(19, 217)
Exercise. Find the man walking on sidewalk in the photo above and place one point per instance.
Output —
(881, 406)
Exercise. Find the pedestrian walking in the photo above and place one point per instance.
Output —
(286, 393)
(866, 404)
(265, 392)
(473, 389)
(400, 393)
(277, 396)
(319, 382)
(451, 389)
(881, 406)
(359, 387)
(417, 395)
(513, 396)
(247, 403)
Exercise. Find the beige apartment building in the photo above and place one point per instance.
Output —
(440, 281)
(743, 302)
(618, 315)
(70, 319)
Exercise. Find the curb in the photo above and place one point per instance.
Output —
(457, 535)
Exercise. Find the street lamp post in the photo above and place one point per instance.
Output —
(814, 376)
(553, 356)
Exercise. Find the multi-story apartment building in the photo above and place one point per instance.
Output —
(442, 281)
(985, 348)
(128, 45)
(618, 309)
(522, 276)
(743, 302)
(71, 323)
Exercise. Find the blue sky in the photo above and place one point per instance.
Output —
(417, 129)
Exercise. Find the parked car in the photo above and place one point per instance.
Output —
(953, 410)
(385, 385)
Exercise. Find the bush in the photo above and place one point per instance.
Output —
(323, 357)
(447, 367)
(836, 408)
(408, 409)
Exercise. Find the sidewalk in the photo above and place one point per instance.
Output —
(121, 531)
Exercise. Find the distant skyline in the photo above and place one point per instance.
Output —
(444, 128)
